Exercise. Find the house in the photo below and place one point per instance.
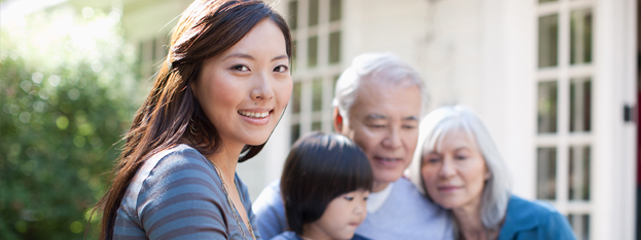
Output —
(555, 81)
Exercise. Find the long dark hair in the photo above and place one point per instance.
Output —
(319, 168)
(171, 114)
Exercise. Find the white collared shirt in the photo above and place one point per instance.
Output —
(376, 200)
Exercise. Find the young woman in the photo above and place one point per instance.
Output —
(457, 164)
(325, 184)
(214, 103)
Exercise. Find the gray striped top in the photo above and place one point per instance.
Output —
(177, 194)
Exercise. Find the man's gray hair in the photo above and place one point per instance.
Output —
(446, 120)
(381, 67)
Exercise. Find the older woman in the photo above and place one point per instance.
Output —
(458, 166)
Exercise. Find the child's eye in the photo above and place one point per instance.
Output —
(365, 198)
(349, 198)
(281, 69)
(241, 68)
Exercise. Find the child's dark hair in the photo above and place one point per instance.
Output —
(319, 168)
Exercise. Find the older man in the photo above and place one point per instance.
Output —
(378, 104)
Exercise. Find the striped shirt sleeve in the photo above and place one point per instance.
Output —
(179, 197)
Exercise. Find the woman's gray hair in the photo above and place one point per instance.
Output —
(446, 120)
(381, 67)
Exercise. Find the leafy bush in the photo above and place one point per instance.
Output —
(66, 96)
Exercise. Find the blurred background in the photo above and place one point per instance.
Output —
(555, 81)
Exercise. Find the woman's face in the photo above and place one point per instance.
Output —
(341, 217)
(244, 90)
(454, 174)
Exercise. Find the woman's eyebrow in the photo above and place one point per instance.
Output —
(284, 56)
(238, 55)
(250, 57)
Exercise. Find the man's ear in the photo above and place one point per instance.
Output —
(338, 120)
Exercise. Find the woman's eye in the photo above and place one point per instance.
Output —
(365, 198)
(461, 157)
(281, 69)
(349, 198)
(409, 126)
(241, 68)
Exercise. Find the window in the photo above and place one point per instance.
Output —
(316, 32)
(564, 109)
(546, 175)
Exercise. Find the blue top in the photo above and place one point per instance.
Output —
(177, 194)
(289, 235)
(534, 220)
(405, 214)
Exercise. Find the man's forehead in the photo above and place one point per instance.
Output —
(379, 116)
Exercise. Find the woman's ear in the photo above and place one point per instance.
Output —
(338, 120)
(488, 175)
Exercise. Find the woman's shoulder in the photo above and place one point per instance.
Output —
(177, 169)
(178, 155)
(536, 217)
(530, 208)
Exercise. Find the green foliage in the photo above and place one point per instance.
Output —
(66, 98)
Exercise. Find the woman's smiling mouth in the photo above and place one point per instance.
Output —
(254, 114)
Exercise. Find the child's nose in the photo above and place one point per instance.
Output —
(359, 208)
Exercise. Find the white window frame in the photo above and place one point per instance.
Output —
(563, 73)
(323, 70)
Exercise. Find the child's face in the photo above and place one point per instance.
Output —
(341, 218)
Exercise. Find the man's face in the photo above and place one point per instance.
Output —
(384, 122)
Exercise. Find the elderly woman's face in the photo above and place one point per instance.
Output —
(454, 173)
(244, 90)
(383, 121)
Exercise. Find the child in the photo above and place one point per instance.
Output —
(325, 185)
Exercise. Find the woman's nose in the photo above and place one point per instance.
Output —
(447, 169)
(261, 89)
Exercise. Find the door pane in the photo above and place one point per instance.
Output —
(547, 106)
(335, 10)
(312, 51)
(580, 104)
(546, 173)
(296, 97)
(334, 47)
(294, 133)
(545, 1)
(581, 36)
(316, 126)
(548, 40)
(317, 94)
(294, 55)
(292, 12)
(313, 13)
(581, 225)
(579, 178)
